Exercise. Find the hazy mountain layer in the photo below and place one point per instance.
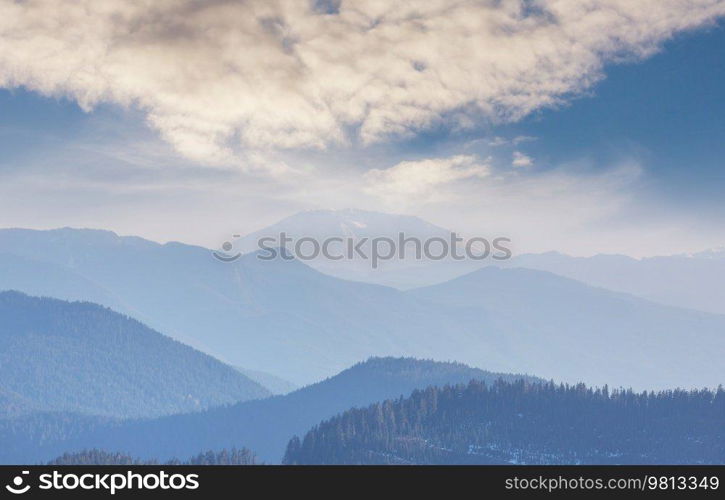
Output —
(523, 424)
(264, 426)
(690, 281)
(562, 329)
(284, 318)
(81, 357)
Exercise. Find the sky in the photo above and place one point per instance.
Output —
(583, 126)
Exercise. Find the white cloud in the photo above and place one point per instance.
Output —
(580, 207)
(423, 180)
(498, 141)
(519, 159)
(535, 208)
(214, 77)
(522, 138)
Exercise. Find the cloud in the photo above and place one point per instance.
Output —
(521, 160)
(498, 141)
(503, 141)
(222, 76)
(535, 208)
(422, 180)
(522, 138)
(577, 208)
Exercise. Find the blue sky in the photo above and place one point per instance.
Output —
(628, 158)
(667, 110)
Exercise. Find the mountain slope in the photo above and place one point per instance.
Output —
(18, 272)
(267, 425)
(13, 404)
(690, 281)
(284, 318)
(523, 424)
(360, 225)
(24, 437)
(275, 385)
(345, 223)
(562, 329)
(280, 317)
(100, 457)
(80, 357)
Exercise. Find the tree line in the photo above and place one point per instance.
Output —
(521, 422)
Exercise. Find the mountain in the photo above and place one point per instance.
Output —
(689, 281)
(48, 279)
(289, 320)
(14, 405)
(279, 317)
(99, 457)
(274, 385)
(712, 253)
(80, 357)
(25, 437)
(519, 423)
(561, 329)
(346, 223)
(361, 225)
(263, 425)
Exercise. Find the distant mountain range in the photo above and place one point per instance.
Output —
(518, 423)
(563, 329)
(691, 281)
(57, 356)
(359, 225)
(265, 426)
(83, 375)
(286, 319)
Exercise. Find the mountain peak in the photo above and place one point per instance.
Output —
(73, 234)
(351, 222)
(712, 253)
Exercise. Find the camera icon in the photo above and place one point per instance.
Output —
(226, 253)
(17, 488)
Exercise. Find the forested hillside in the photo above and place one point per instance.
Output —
(264, 425)
(23, 437)
(523, 423)
(234, 456)
(57, 356)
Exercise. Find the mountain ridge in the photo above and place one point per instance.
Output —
(81, 357)
(289, 320)
(266, 425)
(521, 423)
